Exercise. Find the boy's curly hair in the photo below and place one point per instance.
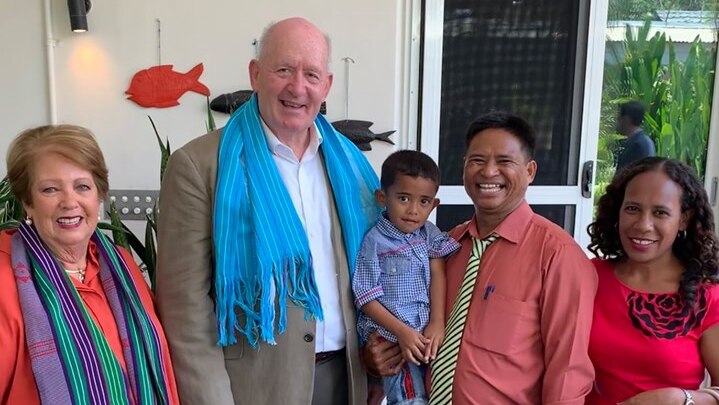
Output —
(697, 250)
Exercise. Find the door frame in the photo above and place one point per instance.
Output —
(711, 174)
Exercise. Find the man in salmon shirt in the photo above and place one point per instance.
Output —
(518, 332)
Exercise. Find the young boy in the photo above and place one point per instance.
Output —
(398, 258)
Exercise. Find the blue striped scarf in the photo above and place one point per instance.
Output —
(259, 239)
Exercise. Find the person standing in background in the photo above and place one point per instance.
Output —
(637, 144)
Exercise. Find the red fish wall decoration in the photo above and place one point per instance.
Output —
(161, 87)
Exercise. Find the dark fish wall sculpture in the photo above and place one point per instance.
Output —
(359, 133)
(229, 102)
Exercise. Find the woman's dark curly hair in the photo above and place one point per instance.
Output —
(697, 250)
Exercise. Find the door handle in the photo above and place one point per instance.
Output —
(587, 176)
(713, 192)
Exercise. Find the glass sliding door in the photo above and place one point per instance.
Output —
(533, 58)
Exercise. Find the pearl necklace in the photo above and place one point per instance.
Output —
(80, 273)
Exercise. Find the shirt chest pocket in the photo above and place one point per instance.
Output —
(504, 325)
(395, 266)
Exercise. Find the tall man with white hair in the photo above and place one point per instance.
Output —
(260, 223)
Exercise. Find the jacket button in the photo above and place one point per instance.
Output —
(308, 337)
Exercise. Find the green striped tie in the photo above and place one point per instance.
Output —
(442, 376)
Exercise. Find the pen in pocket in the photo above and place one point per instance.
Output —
(487, 291)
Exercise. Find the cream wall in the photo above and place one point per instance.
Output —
(22, 69)
(94, 69)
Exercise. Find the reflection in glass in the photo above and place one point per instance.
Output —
(666, 62)
(517, 56)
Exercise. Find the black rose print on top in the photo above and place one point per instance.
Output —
(665, 316)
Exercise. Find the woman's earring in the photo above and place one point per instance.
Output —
(28, 221)
(681, 235)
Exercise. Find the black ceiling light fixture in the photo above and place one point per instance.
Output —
(78, 14)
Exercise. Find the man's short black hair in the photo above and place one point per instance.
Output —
(634, 110)
(411, 163)
(511, 123)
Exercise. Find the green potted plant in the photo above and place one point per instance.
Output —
(11, 211)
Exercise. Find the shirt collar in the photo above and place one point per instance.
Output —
(512, 228)
(279, 149)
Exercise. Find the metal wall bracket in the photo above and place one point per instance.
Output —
(132, 204)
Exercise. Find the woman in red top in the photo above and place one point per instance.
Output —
(656, 313)
(77, 322)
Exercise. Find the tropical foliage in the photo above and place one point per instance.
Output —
(147, 250)
(121, 234)
(11, 211)
(677, 95)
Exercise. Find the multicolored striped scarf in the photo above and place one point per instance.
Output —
(261, 250)
(71, 360)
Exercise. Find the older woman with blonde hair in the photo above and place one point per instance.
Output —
(77, 322)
